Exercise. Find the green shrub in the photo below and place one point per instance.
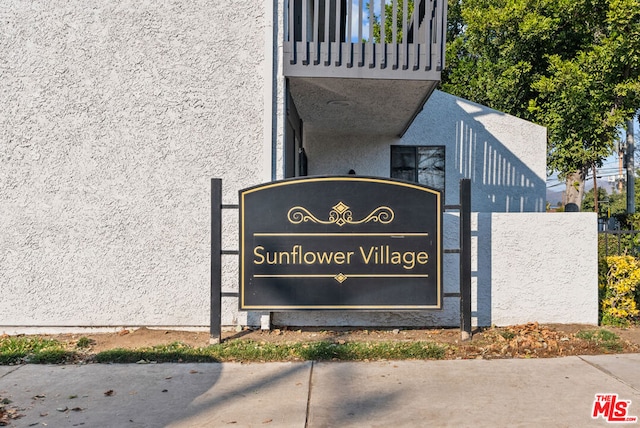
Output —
(619, 279)
(619, 243)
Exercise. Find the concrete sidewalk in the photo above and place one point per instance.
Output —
(493, 393)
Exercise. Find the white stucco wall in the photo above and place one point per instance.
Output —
(543, 267)
(505, 157)
(114, 116)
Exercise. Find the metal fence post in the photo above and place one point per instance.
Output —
(465, 258)
(216, 261)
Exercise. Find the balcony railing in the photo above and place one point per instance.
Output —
(379, 39)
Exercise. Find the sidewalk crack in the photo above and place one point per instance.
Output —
(608, 373)
(11, 371)
(306, 418)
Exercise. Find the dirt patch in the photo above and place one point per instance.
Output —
(133, 339)
(521, 341)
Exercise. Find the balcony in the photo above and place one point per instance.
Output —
(347, 73)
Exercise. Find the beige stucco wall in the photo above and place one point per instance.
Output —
(539, 267)
(114, 115)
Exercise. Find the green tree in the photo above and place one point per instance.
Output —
(620, 53)
(571, 65)
(585, 99)
(617, 203)
(499, 48)
(614, 204)
(575, 104)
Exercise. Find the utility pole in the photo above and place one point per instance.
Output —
(631, 194)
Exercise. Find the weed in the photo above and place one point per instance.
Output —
(607, 336)
(84, 342)
(508, 335)
(605, 339)
(586, 334)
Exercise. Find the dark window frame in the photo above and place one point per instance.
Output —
(411, 150)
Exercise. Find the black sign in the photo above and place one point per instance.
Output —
(340, 243)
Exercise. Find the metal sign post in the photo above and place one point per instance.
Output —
(376, 246)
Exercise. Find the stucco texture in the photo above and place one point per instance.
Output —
(543, 267)
(114, 115)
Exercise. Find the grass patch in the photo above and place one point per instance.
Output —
(16, 350)
(373, 351)
(83, 342)
(174, 352)
(242, 350)
(605, 339)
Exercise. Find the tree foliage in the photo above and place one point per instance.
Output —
(584, 99)
(570, 65)
(614, 205)
(501, 49)
(588, 203)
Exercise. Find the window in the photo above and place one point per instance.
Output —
(421, 164)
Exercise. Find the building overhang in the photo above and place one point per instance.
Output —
(359, 106)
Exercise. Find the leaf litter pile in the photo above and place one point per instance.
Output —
(535, 341)
(8, 412)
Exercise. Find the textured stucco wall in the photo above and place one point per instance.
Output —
(544, 267)
(505, 157)
(114, 115)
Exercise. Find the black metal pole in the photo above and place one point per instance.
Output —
(465, 258)
(216, 260)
